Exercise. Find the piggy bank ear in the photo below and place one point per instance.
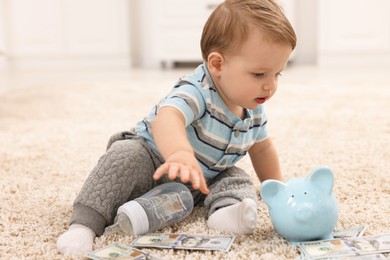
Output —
(322, 177)
(269, 190)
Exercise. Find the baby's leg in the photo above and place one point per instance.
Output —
(232, 202)
(123, 173)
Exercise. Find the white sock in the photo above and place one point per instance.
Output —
(240, 218)
(77, 241)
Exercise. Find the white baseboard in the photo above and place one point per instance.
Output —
(69, 63)
(354, 59)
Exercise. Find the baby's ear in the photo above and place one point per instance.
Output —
(270, 189)
(214, 62)
(322, 177)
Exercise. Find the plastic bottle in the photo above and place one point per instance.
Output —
(163, 206)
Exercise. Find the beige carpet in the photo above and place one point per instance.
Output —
(54, 128)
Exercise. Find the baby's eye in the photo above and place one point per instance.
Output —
(258, 75)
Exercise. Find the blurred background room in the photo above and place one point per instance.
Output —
(125, 34)
(73, 72)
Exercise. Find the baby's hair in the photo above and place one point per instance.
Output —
(229, 24)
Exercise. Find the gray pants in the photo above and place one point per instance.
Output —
(125, 172)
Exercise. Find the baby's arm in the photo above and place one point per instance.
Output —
(170, 136)
(265, 160)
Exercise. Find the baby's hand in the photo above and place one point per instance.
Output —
(185, 165)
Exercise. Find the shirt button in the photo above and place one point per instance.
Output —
(236, 133)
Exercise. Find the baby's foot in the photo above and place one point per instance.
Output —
(77, 241)
(240, 218)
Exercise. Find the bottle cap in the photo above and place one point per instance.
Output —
(137, 215)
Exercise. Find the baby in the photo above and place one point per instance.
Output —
(209, 121)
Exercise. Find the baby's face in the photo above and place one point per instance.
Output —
(249, 77)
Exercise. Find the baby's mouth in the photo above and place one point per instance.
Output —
(260, 100)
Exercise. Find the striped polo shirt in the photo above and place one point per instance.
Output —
(219, 138)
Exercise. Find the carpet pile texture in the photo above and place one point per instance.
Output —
(53, 131)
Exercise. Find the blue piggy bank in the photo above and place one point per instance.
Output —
(302, 209)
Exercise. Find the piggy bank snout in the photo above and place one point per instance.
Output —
(304, 212)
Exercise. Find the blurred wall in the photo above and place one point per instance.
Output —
(66, 33)
(2, 40)
(306, 27)
(354, 33)
(151, 33)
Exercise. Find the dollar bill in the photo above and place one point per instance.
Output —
(350, 232)
(351, 257)
(119, 251)
(342, 248)
(184, 241)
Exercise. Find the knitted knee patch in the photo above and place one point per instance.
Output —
(123, 173)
